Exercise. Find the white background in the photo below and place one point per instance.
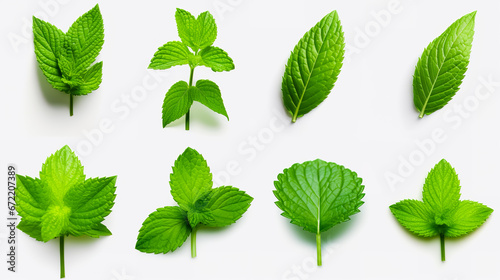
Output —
(368, 124)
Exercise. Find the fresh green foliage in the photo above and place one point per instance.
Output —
(66, 59)
(441, 212)
(167, 228)
(316, 195)
(313, 66)
(197, 34)
(62, 202)
(441, 68)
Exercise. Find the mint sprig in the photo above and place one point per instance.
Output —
(66, 58)
(62, 202)
(168, 227)
(441, 212)
(195, 49)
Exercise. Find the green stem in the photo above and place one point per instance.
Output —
(421, 114)
(318, 248)
(71, 104)
(61, 255)
(191, 74)
(443, 257)
(193, 243)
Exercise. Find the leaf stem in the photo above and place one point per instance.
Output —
(421, 114)
(70, 104)
(193, 242)
(191, 74)
(443, 257)
(61, 255)
(318, 248)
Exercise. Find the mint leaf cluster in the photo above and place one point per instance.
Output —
(317, 195)
(442, 66)
(63, 202)
(441, 212)
(195, 49)
(66, 58)
(167, 228)
(313, 66)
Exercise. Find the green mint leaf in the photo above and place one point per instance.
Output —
(196, 33)
(163, 231)
(316, 195)
(208, 93)
(441, 212)
(66, 59)
(313, 66)
(176, 103)
(86, 35)
(415, 216)
(62, 202)
(90, 81)
(36, 198)
(191, 186)
(226, 205)
(48, 40)
(217, 59)
(442, 188)
(171, 54)
(442, 66)
(468, 216)
(190, 178)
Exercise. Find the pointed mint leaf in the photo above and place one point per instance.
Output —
(171, 54)
(32, 198)
(90, 81)
(316, 195)
(442, 66)
(468, 216)
(442, 189)
(217, 59)
(226, 205)
(208, 93)
(190, 178)
(415, 216)
(176, 103)
(313, 67)
(163, 231)
(196, 33)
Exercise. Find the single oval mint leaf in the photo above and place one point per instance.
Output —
(63, 202)
(441, 212)
(66, 59)
(316, 195)
(195, 49)
(167, 228)
(313, 66)
(442, 66)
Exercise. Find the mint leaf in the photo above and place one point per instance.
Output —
(208, 93)
(313, 66)
(62, 202)
(316, 195)
(190, 178)
(191, 186)
(171, 54)
(442, 66)
(441, 212)
(163, 231)
(66, 59)
(216, 59)
(198, 34)
(226, 205)
(176, 103)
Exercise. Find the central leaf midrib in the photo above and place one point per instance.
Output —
(312, 70)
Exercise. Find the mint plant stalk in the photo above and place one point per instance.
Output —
(195, 49)
(199, 204)
(441, 212)
(67, 59)
(63, 202)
